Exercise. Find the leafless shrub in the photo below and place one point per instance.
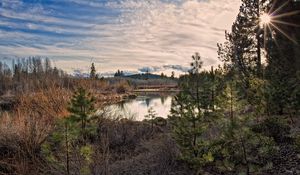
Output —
(24, 130)
(122, 87)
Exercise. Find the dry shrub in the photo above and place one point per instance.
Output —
(120, 146)
(102, 155)
(94, 86)
(131, 147)
(122, 87)
(154, 156)
(24, 130)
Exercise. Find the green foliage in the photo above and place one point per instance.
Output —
(188, 127)
(212, 123)
(196, 64)
(256, 95)
(275, 127)
(295, 93)
(119, 73)
(159, 121)
(162, 75)
(86, 152)
(93, 72)
(240, 150)
(191, 115)
(68, 140)
(251, 92)
(82, 109)
(208, 157)
(228, 99)
(282, 71)
(172, 75)
(151, 116)
(297, 142)
(59, 146)
(47, 152)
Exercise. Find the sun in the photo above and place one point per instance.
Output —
(273, 20)
(265, 19)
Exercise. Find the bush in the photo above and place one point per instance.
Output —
(24, 130)
(122, 87)
(274, 127)
(297, 143)
(159, 121)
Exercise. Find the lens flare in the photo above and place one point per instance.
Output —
(265, 19)
(274, 20)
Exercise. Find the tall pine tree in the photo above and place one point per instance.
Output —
(82, 108)
(283, 58)
(93, 72)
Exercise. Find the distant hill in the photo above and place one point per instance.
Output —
(143, 76)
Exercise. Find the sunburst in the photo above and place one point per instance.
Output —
(273, 19)
(265, 19)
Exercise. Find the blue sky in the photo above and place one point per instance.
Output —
(131, 35)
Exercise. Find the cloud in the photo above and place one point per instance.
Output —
(177, 67)
(125, 34)
(165, 68)
(149, 69)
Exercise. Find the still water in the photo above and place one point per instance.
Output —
(137, 108)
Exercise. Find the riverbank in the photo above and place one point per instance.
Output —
(112, 98)
(107, 98)
(158, 90)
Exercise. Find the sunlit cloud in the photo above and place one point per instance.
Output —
(125, 34)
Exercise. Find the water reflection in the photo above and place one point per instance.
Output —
(138, 107)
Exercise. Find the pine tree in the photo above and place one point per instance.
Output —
(151, 116)
(82, 108)
(242, 48)
(172, 74)
(241, 53)
(93, 72)
(188, 127)
(283, 59)
(119, 73)
(189, 116)
(196, 64)
(64, 152)
(235, 147)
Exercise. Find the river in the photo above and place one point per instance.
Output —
(137, 108)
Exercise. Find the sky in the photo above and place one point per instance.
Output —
(130, 35)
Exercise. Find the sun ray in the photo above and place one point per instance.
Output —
(272, 20)
(279, 8)
(276, 43)
(274, 39)
(265, 36)
(282, 32)
(267, 30)
(286, 23)
(272, 35)
(286, 14)
(272, 7)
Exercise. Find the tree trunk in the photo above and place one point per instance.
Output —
(67, 148)
(245, 157)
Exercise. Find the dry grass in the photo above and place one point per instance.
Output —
(120, 146)
(23, 130)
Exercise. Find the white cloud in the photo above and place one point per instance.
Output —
(147, 33)
(170, 33)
